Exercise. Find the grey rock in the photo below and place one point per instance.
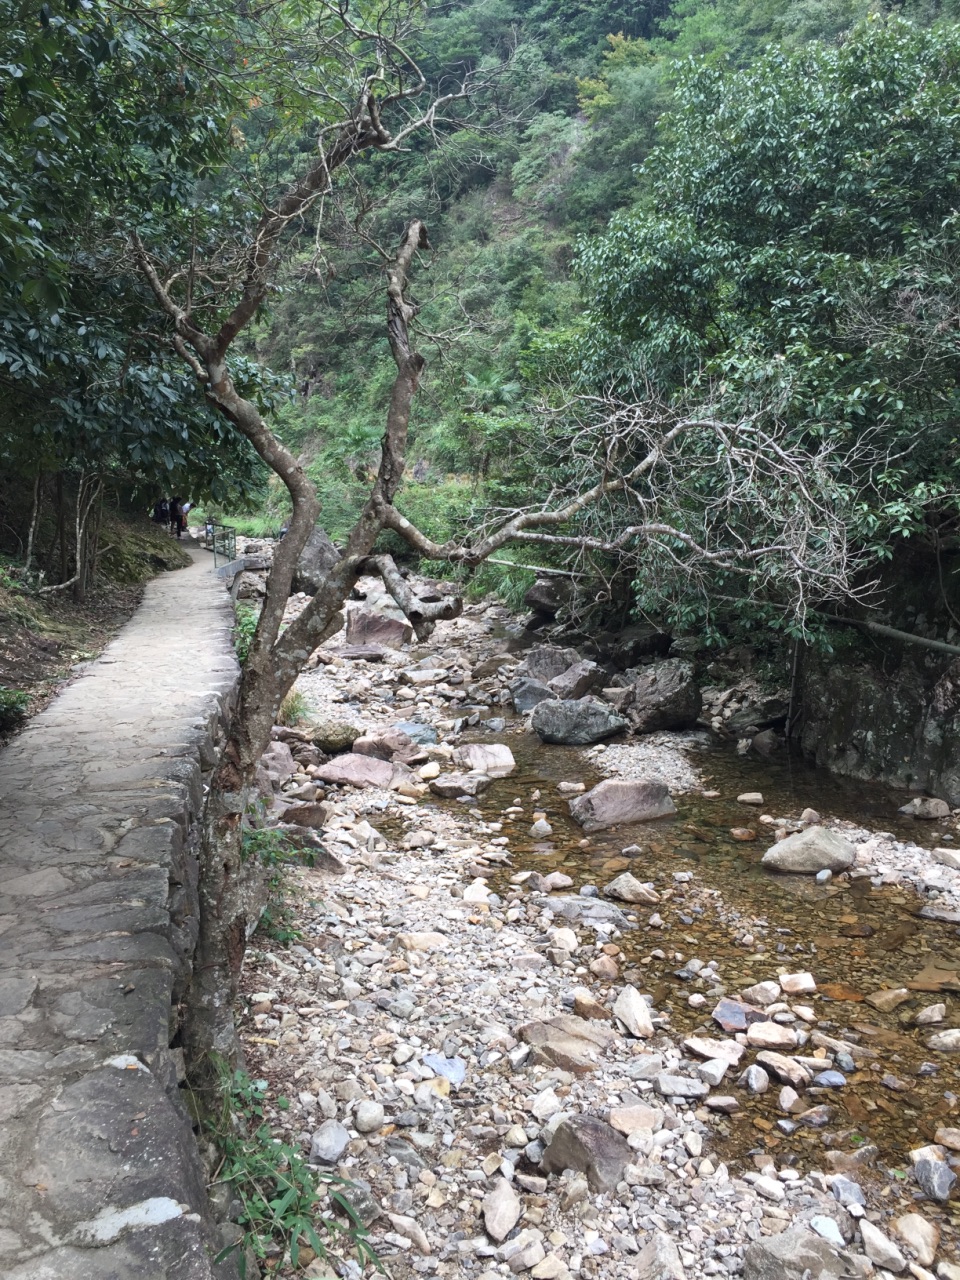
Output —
(795, 1254)
(659, 1259)
(927, 807)
(368, 626)
(368, 1117)
(627, 888)
(755, 1080)
(424, 735)
(881, 1251)
(590, 1146)
(527, 693)
(673, 1086)
(329, 1142)
(847, 1192)
(549, 595)
(451, 785)
(809, 851)
(576, 681)
(317, 558)
(546, 662)
(665, 696)
(936, 1178)
(614, 801)
(578, 723)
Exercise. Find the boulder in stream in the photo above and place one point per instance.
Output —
(809, 852)
(615, 800)
(527, 692)
(575, 723)
(546, 662)
(494, 759)
(665, 696)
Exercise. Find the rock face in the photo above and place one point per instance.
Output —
(575, 724)
(809, 852)
(590, 1146)
(614, 800)
(792, 1255)
(665, 696)
(527, 692)
(316, 560)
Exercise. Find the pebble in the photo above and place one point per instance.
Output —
(368, 1117)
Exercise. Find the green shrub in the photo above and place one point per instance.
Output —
(243, 630)
(13, 707)
(286, 1205)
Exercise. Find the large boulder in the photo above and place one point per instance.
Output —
(632, 643)
(368, 626)
(390, 744)
(363, 771)
(576, 680)
(575, 723)
(665, 696)
(590, 1146)
(332, 736)
(792, 1255)
(494, 759)
(549, 595)
(316, 560)
(527, 692)
(614, 801)
(546, 662)
(809, 852)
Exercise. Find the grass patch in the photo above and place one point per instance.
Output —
(293, 709)
(243, 630)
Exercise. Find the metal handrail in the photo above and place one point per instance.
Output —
(221, 539)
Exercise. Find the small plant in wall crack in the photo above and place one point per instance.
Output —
(274, 851)
(287, 1206)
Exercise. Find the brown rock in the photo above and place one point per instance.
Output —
(613, 801)
(591, 1147)
(365, 627)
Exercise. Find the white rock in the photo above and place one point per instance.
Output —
(477, 892)
(921, 1235)
(631, 1009)
(931, 1015)
(881, 1251)
(945, 1041)
(501, 1210)
(798, 984)
(368, 1117)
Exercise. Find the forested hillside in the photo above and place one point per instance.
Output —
(739, 217)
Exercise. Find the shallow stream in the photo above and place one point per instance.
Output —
(855, 938)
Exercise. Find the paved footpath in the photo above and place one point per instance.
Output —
(99, 1175)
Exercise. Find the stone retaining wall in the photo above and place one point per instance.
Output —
(99, 799)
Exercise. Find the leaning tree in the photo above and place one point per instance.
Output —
(614, 477)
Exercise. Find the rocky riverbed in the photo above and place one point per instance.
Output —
(541, 1051)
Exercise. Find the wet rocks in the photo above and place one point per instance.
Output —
(590, 1146)
(613, 801)
(809, 851)
(575, 723)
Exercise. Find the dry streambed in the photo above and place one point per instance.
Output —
(468, 1029)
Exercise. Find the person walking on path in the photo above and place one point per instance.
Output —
(176, 517)
(161, 511)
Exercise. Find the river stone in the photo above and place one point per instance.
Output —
(659, 1259)
(922, 1236)
(771, 1035)
(570, 1043)
(527, 693)
(729, 1050)
(494, 759)
(632, 1010)
(795, 1254)
(945, 1041)
(575, 723)
(368, 1117)
(881, 1251)
(451, 785)
(424, 735)
(936, 1178)
(576, 680)
(501, 1210)
(358, 771)
(628, 888)
(665, 696)
(329, 1142)
(927, 807)
(809, 851)
(755, 1080)
(947, 1137)
(590, 1146)
(671, 1086)
(546, 662)
(784, 1068)
(366, 626)
(615, 800)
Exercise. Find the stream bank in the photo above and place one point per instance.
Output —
(413, 1026)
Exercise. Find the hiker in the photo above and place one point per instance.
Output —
(176, 517)
(161, 512)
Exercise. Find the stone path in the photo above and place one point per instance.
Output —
(99, 1174)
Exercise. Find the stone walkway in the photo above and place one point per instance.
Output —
(99, 1175)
